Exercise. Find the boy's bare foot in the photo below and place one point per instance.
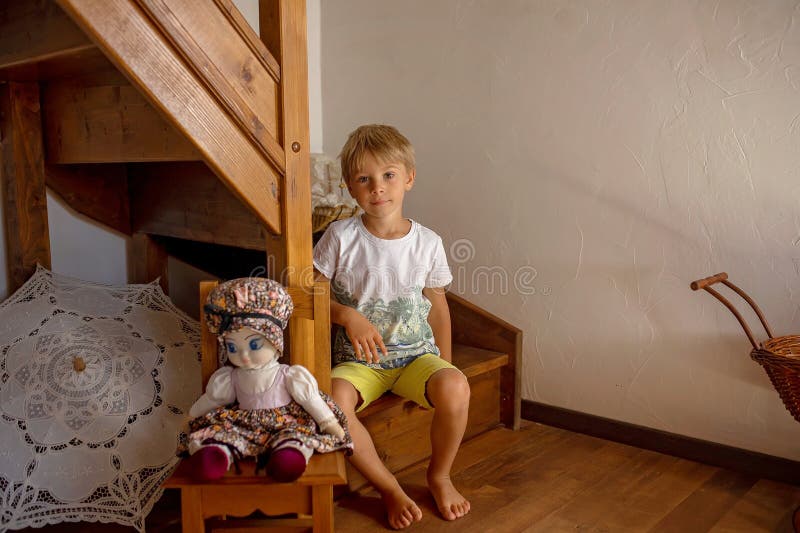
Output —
(451, 503)
(401, 509)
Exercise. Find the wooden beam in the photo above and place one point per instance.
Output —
(139, 51)
(24, 191)
(296, 220)
(36, 30)
(102, 122)
(59, 67)
(297, 188)
(187, 201)
(150, 261)
(223, 262)
(269, 26)
(99, 192)
(322, 332)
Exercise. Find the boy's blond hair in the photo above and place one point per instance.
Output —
(383, 142)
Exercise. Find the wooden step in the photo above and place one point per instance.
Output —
(400, 428)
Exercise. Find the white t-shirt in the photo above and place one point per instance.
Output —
(383, 280)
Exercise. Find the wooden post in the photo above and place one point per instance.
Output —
(322, 333)
(22, 171)
(192, 509)
(322, 498)
(296, 243)
(149, 261)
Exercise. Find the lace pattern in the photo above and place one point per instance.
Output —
(94, 381)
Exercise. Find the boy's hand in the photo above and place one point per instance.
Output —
(365, 338)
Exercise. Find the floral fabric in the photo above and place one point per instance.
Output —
(250, 433)
(258, 303)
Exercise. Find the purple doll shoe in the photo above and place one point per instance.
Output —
(286, 465)
(210, 463)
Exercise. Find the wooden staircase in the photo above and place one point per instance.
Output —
(170, 121)
(156, 118)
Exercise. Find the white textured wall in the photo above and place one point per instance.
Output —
(83, 249)
(314, 39)
(621, 149)
(78, 247)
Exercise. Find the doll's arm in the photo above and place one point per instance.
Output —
(219, 391)
(303, 388)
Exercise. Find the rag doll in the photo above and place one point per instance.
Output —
(278, 413)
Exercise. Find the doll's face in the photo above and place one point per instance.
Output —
(247, 348)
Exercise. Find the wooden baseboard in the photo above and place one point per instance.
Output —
(737, 459)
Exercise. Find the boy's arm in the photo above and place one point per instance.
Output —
(366, 341)
(340, 313)
(439, 319)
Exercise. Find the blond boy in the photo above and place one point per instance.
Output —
(388, 275)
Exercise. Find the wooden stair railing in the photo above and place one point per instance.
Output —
(208, 90)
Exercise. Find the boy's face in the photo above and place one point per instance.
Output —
(380, 186)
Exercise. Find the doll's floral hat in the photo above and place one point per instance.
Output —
(259, 303)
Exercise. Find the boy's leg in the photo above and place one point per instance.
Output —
(448, 392)
(433, 382)
(401, 510)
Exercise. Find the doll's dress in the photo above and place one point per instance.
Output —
(272, 419)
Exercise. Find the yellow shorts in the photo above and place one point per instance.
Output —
(408, 382)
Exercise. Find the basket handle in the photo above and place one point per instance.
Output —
(722, 277)
(710, 280)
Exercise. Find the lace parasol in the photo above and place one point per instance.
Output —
(94, 381)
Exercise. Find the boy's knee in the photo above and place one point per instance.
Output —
(344, 394)
(448, 388)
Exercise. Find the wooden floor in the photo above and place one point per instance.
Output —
(546, 479)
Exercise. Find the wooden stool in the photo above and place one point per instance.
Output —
(310, 497)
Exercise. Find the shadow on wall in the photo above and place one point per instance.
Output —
(578, 189)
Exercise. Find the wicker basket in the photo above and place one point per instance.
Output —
(779, 356)
(322, 216)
